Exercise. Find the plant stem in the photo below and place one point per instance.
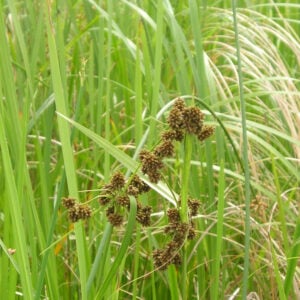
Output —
(184, 205)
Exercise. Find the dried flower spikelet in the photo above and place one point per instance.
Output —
(117, 181)
(191, 233)
(159, 259)
(164, 149)
(193, 119)
(173, 135)
(176, 259)
(74, 213)
(115, 219)
(193, 205)
(143, 215)
(175, 119)
(151, 164)
(85, 211)
(123, 201)
(154, 177)
(181, 232)
(169, 255)
(179, 104)
(170, 228)
(138, 184)
(68, 202)
(206, 132)
(133, 191)
(103, 200)
(150, 161)
(173, 215)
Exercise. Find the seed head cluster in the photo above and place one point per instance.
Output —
(179, 231)
(189, 120)
(193, 205)
(115, 196)
(76, 211)
(181, 120)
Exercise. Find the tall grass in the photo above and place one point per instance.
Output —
(85, 85)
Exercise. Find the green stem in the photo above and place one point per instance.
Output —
(184, 205)
(245, 157)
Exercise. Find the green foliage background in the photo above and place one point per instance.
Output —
(84, 85)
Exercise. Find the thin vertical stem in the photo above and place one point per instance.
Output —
(245, 156)
(184, 206)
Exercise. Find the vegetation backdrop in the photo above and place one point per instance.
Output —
(85, 86)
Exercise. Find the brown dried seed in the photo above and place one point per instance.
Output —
(173, 215)
(193, 205)
(68, 202)
(179, 104)
(175, 119)
(206, 132)
(193, 119)
(115, 219)
(164, 149)
(117, 181)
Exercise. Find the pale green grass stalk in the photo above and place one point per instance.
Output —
(156, 76)
(65, 137)
(279, 281)
(173, 282)
(99, 262)
(281, 207)
(108, 95)
(293, 258)
(184, 280)
(122, 250)
(15, 210)
(216, 288)
(245, 156)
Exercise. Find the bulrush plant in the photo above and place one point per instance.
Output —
(182, 121)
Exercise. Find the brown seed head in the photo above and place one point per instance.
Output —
(193, 119)
(151, 164)
(173, 215)
(181, 232)
(115, 219)
(164, 149)
(85, 211)
(175, 119)
(123, 201)
(179, 104)
(143, 215)
(103, 200)
(193, 205)
(138, 184)
(133, 191)
(206, 132)
(117, 181)
(172, 135)
(68, 202)
(191, 233)
(74, 214)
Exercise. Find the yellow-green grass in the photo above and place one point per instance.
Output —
(85, 85)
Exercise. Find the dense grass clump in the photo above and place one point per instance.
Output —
(149, 150)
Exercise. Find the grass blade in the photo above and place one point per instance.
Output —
(245, 155)
(122, 251)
